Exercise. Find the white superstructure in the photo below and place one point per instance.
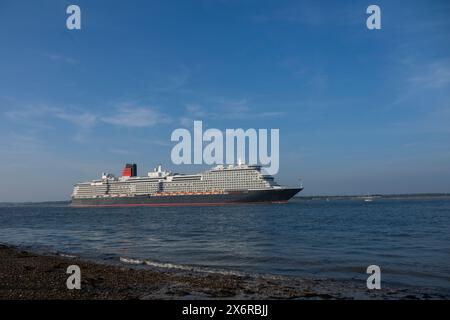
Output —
(219, 179)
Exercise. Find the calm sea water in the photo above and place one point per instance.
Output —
(408, 239)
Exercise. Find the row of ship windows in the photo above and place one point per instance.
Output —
(220, 178)
(242, 182)
(225, 183)
(172, 188)
(125, 186)
(149, 186)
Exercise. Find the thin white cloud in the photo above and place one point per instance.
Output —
(224, 109)
(434, 75)
(28, 112)
(421, 78)
(23, 143)
(125, 116)
(37, 113)
(31, 116)
(37, 117)
(83, 119)
(136, 117)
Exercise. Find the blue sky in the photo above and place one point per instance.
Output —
(359, 111)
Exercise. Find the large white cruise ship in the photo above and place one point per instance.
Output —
(221, 185)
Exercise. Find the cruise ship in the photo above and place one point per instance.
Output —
(232, 184)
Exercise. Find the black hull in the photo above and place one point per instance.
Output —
(239, 197)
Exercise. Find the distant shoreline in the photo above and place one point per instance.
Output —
(299, 197)
(378, 196)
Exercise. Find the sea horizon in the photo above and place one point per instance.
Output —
(299, 196)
